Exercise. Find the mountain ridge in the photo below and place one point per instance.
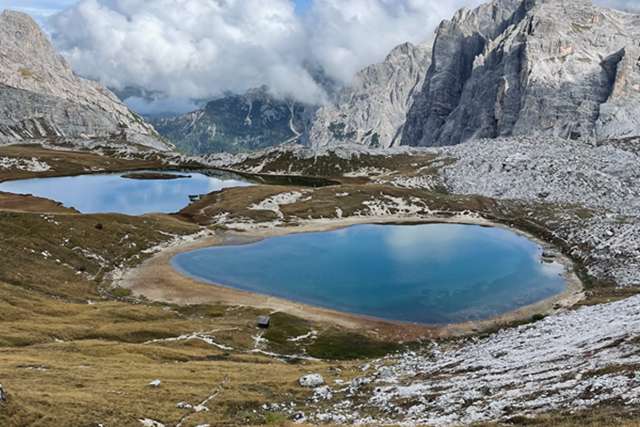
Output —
(372, 110)
(60, 104)
(513, 67)
(237, 123)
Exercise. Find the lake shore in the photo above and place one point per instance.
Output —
(157, 280)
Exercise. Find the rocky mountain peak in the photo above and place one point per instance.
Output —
(22, 36)
(41, 96)
(29, 61)
(515, 67)
(372, 110)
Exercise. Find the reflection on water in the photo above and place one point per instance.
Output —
(112, 193)
(435, 273)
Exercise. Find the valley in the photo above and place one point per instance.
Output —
(168, 319)
(453, 238)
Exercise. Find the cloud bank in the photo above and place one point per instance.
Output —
(203, 48)
(628, 5)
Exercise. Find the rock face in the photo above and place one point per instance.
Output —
(237, 123)
(519, 67)
(40, 96)
(372, 111)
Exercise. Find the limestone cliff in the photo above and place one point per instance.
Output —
(372, 110)
(519, 67)
(41, 97)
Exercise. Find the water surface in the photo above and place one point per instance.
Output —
(102, 193)
(433, 273)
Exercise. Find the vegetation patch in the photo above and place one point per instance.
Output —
(154, 176)
(66, 163)
(335, 344)
(282, 329)
(26, 73)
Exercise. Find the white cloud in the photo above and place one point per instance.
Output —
(628, 5)
(203, 48)
(348, 35)
(198, 48)
(192, 49)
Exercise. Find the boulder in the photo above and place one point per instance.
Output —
(311, 380)
(322, 393)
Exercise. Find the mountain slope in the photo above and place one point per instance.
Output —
(236, 123)
(373, 109)
(40, 96)
(515, 67)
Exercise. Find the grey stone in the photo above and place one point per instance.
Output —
(40, 96)
(311, 380)
(322, 393)
(184, 405)
(373, 109)
(562, 68)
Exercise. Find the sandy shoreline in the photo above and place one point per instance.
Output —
(157, 280)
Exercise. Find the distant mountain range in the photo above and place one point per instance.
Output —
(563, 68)
(237, 123)
(509, 67)
(371, 111)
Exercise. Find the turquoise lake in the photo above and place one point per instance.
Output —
(430, 274)
(111, 193)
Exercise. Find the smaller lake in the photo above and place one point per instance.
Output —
(431, 274)
(111, 193)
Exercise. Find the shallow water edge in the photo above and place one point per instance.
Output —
(432, 274)
(157, 280)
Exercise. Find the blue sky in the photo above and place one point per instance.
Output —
(42, 8)
(38, 8)
(302, 5)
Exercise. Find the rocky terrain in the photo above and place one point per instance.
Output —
(583, 197)
(237, 123)
(550, 67)
(372, 110)
(543, 95)
(41, 97)
(573, 361)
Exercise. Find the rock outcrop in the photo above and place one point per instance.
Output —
(238, 123)
(372, 111)
(562, 68)
(311, 380)
(41, 97)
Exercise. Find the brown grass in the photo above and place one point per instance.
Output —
(75, 352)
(64, 163)
(23, 203)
